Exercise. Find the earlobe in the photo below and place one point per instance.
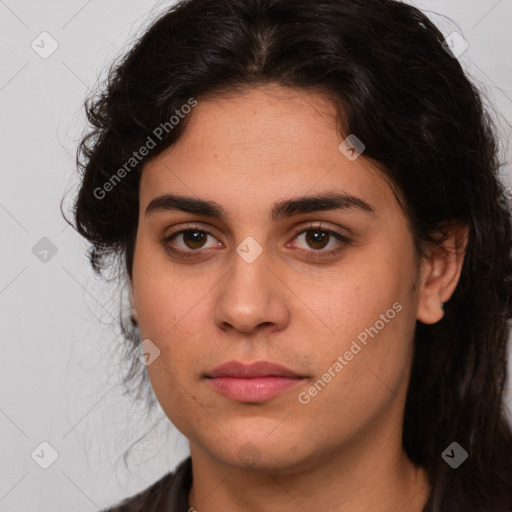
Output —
(440, 273)
(133, 317)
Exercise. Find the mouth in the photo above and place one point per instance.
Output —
(257, 382)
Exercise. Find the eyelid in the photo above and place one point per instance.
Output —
(190, 227)
(319, 226)
(183, 229)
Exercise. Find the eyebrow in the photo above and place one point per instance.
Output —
(285, 208)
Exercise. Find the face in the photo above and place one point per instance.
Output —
(326, 291)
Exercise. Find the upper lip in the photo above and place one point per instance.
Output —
(257, 369)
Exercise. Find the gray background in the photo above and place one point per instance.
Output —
(60, 380)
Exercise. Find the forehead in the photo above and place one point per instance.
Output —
(268, 122)
(262, 144)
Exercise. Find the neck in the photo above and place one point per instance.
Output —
(367, 479)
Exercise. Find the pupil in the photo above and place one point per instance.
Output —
(318, 236)
(195, 237)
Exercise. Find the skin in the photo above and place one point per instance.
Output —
(341, 451)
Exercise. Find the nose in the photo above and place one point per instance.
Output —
(251, 297)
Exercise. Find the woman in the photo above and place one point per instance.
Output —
(306, 202)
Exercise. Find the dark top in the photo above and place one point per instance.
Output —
(169, 494)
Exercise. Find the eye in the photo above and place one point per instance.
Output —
(193, 240)
(319, 237)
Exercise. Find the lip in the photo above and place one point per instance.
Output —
(257, 369)
(256, 382)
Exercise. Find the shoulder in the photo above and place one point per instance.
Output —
(169, 491)
(151, 498)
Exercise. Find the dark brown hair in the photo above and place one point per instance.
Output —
(421, 120)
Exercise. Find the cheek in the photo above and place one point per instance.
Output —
(156, 291)
(172, 314)
(368, 324)
(362, 376)
(363, 294)
(177, 398)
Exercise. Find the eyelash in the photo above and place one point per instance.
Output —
(312, 254)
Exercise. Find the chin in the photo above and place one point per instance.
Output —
(260, 453)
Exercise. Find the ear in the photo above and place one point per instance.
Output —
(132, 299)
(440, 273)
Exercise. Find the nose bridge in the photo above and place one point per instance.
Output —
(250, 294)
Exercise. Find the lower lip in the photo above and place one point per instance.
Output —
(256, 389)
